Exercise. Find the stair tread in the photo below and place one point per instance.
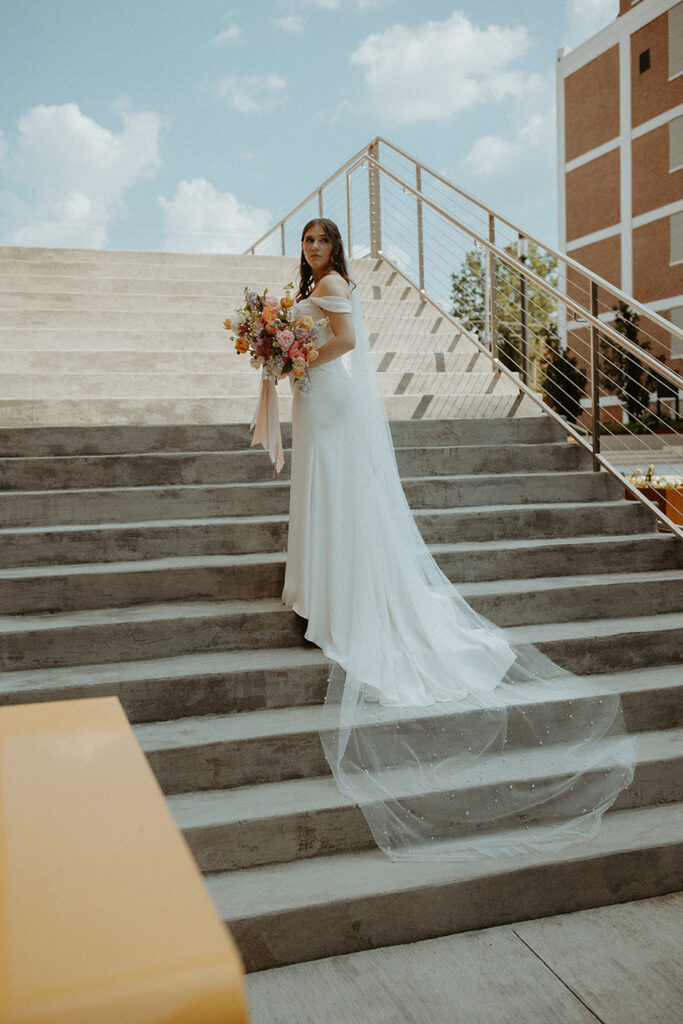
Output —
(204, 663)
(352, 877)
(469, 510)
(171, 562)
(187, 731)
(461, 477)
(205, 808)
(177, 610)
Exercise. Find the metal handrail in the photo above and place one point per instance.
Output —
(316, 192)
(604, 328)
(568, 261)
(587, 312)
(668, 325)
(580, 438)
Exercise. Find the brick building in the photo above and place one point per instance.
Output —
(620, 150)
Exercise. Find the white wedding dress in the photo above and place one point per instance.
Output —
(454, 742)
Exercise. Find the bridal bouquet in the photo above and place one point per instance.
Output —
(279, 342)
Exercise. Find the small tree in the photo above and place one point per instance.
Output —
(468, 293)
(623, 373)
(564, 384)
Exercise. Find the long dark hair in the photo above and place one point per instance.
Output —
(337, 257)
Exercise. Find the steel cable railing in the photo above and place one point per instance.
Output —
(566, 337)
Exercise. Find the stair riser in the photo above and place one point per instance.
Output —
(216, 693)
(286, 838)
(618, 652)
(112, 440)
(160, 638)
(312, 932)
(249, 467)
(157, 638)
(128, 505)
(168, 698)
(153, 540)
(76, 591)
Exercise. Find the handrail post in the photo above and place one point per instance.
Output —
(524, 311)
(282, 238)
(420, 232)
(375, 212)
(492, 312)
(320, 202)
(348, 213)
(595, 381)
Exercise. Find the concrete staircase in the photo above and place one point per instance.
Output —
(147, 562)
(94, 337)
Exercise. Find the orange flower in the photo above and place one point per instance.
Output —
(312, 355)
(305, 323)
(272, 328)
(242, 345)
(268, 314)
(226, 324)
(287, 302)
(299, 371)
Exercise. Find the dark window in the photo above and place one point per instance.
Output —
(645, 61)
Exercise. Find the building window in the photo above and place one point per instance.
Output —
(644, 61)
(676, 343)
(676, 227)
(676, 143)
(676, 40)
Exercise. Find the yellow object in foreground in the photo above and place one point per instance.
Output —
(104, 918)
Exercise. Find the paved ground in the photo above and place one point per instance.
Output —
(614, 965)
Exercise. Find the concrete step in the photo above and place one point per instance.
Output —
(526, 581)
(347, 902)
(180, 338)
(114, 440)
(215, 466)
(133, 504)
(207, 683)
(243, 681)
(219, 359)
(380, 306)
(219, 410)
(121, 259)
(221, 752)
(281, 822)
(232, 535)
(228, 287)
(159, 314)
(133, 633)
(239, 382)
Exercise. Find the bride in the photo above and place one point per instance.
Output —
(454, 741)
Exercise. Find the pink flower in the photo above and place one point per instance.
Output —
(285, 340)
(270, 300)
(295, 352)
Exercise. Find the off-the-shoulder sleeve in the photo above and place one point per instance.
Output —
(332, 303)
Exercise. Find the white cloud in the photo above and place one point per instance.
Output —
(68, 174)
(252, 94)
(439, 69)
(291, 23)
(199, 218)
(586, 17)
(526, 150)
(229, 35)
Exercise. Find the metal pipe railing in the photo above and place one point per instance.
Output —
(533, 295)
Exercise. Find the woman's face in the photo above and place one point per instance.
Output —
(317, 248)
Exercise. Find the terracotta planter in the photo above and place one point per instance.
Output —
(669, 500)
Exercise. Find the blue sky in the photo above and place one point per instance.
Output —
(145, 124)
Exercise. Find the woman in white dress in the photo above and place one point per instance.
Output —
(454, 742)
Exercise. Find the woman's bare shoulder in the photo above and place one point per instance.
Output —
(333, 284)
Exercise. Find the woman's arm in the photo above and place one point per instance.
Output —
(341, 324)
